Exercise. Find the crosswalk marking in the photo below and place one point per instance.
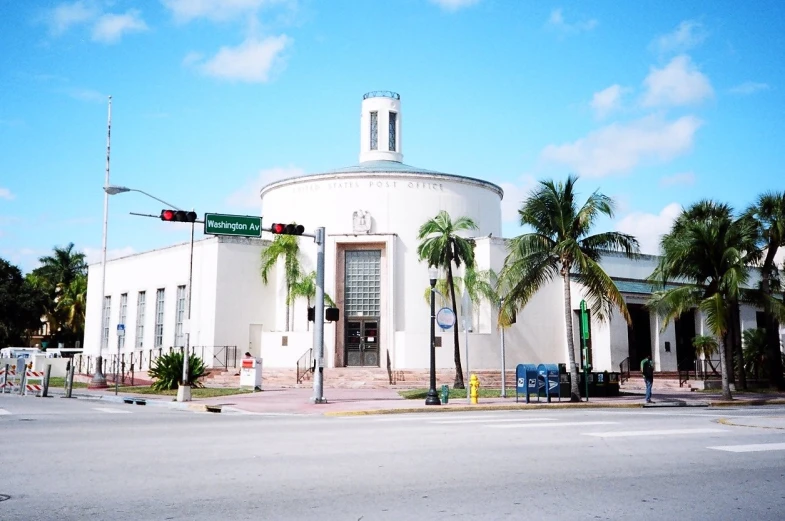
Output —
(663, 432)
(3, 411)
(111, 411)
(555, 424)
(759, 447)
(491, 420)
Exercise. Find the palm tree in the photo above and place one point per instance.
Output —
(480, 285)
(71, 302)
(441, 246)
(286, 247)
(768, 213)
(305, 287)
(63, 266)
(561, 245)
(708, 249)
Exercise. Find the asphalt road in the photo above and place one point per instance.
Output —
(79, 460)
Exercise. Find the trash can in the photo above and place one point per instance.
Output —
(445, 393)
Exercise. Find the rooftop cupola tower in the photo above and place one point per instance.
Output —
(380, 127)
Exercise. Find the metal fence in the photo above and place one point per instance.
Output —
(213, 357)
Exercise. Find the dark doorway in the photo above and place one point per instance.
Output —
(685, 333)
(638, 335)
(362, 342)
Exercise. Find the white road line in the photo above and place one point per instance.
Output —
(556, 424)
(111, 411)
(3, 411)
(664, 432)
(492, 420)
(760, 447)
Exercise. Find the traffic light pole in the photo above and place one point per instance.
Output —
(184, 390)
(318, 328)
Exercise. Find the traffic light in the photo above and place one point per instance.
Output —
(331, 314)
(287, 229)
(311, 314)
(178, 216)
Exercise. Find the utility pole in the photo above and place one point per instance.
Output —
(504, 361)
(184, 390)
(318, 327)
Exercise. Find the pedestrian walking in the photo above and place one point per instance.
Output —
(647, 370)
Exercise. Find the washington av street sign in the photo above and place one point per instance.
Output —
(238, 225)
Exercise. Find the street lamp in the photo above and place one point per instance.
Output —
(184, 391)
(432, 398)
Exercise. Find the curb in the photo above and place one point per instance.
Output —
(737, 403)
(725, 421)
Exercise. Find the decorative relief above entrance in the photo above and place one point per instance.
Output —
(361, 221)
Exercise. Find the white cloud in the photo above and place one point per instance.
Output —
(618, 147)
(216, 10)
(514, 195)
(684, 178)
(678, 83)
(248, 195)
(557, 21)
(93, 255)
(749, 87)
(687, 35)
(6, 194)
(64, 16)
(454, 5)
(251, 61)
(111, 27)
(607, 100)
(648, 228)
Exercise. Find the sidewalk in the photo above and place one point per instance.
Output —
(350, 402)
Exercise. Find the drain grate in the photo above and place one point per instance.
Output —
(3, 497)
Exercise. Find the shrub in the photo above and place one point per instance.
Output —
(168, 370)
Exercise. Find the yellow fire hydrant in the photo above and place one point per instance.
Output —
(474, 387)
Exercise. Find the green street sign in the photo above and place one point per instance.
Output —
(584, 320)
(237, 225)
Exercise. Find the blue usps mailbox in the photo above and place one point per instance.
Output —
(548, 381)
(526, 380)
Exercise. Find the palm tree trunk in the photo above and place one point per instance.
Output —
(288, 293)
(737, 349)
(724, 369)
(458, 384)
(773, 357)
(575, 393)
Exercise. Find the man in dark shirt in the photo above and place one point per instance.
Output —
(647, 370)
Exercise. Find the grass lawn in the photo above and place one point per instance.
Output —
(196, 392)
(420, 394)
(59, 381)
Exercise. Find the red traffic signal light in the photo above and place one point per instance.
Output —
(287, 229)
(178, 216)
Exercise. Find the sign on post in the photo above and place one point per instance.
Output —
(237, 225)
(584, 320)
(120, 329)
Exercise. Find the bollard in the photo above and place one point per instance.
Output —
(474, 385)
(69, 382)
(45, 390)
(445, 393)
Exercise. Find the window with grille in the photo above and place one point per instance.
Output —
(140, 305)
(178, 326)
(159, 318)
(123, 316)
(105, 321)
(374, 130)
(393, 122)
(362, 283)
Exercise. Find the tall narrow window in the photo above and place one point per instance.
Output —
(393, 120)
(179, 316)
(140, 305)
(159, 318)
(123, 316)
(105, 321)
(374, 130)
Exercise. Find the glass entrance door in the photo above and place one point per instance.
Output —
(362, 342)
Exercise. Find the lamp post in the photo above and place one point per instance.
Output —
(184, 391)
(99, 380)
(433, 398)
(503, 356)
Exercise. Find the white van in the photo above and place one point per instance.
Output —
(19, 352)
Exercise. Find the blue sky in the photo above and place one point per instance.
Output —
(655, 106)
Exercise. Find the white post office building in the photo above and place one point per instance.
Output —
(371, 212)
